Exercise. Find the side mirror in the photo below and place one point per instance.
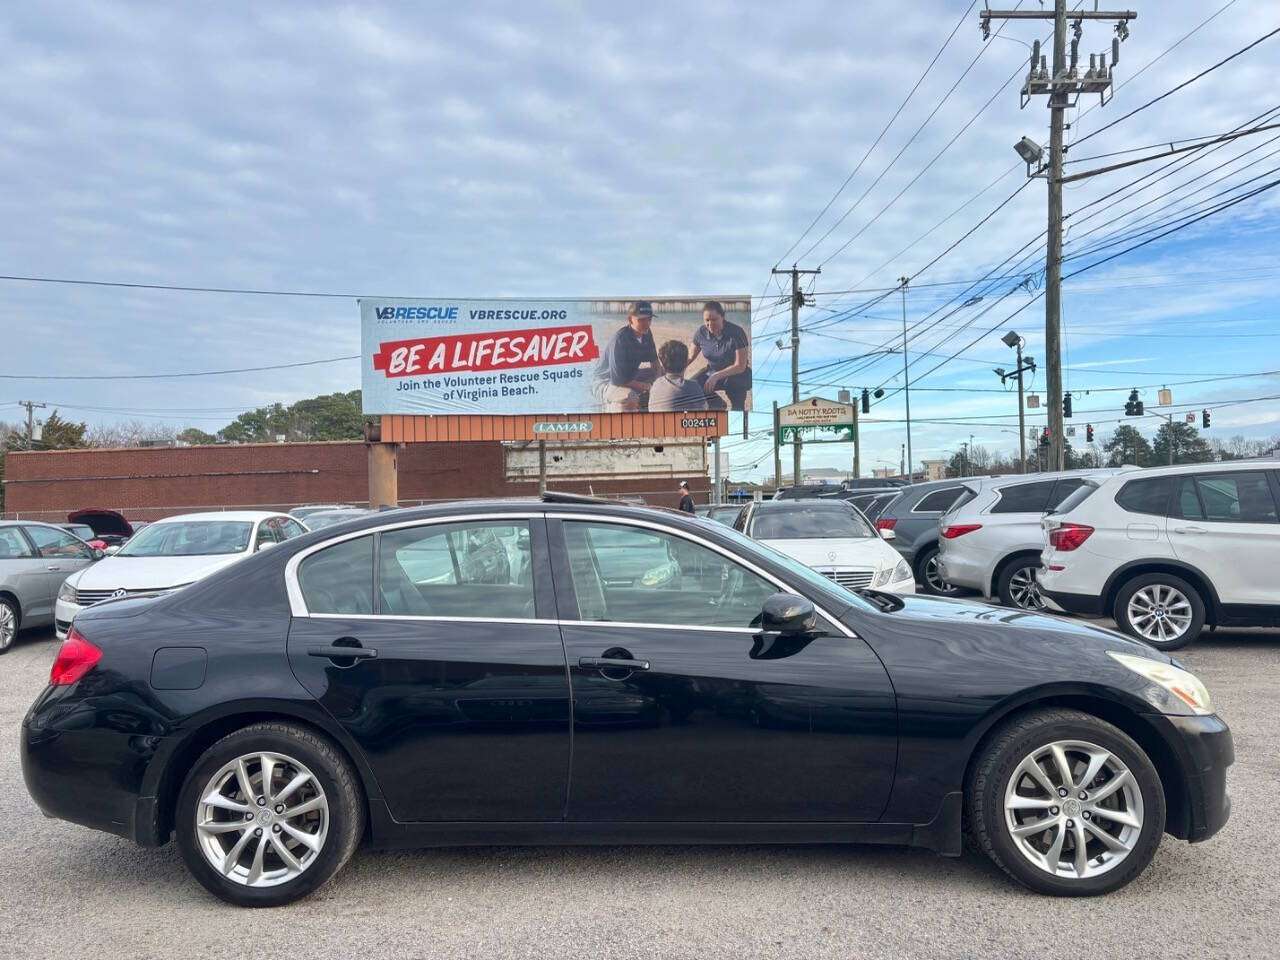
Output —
(97, 554)
(788, 614)
(888, 535)
(263, 544)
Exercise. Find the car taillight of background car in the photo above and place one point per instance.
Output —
(1068, 536)
(886, 523)
(953, 530)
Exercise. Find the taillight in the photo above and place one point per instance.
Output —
(886, 523)
(951, 531)
(1068, 536)
(76, 657)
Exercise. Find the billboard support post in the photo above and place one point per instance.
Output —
(715, 491)
(542, 467)
(777, 450)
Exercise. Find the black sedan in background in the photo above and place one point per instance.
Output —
(575, 671)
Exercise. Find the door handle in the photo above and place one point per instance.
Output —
(605, 663)
(53, 569)
(1190, 530)
(338, 652)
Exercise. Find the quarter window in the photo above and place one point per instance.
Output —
(939, 501)
(634, 575)
(1024, 498)
(457, 570)
(1146, 496)
(339, 579)
(1239, 497)
(58, 543)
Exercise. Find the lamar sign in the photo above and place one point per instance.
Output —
(813, 416)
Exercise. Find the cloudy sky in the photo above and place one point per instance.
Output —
(571, 147)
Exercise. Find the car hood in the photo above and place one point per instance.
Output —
(148, 573)
(854, 551)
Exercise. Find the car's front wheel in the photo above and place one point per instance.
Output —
(1066, 803)
(268, 814)
(1165, 611)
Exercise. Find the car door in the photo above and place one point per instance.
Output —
(713, 722)
(22, 571)
(1227, 525)
(455, 688)
(61, 555)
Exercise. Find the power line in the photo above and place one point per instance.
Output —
(171, 376)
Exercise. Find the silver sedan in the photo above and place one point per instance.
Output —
(34, 560)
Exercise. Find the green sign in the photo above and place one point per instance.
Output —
(824, 433)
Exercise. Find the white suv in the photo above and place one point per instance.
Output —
(990, 540)
(1170, 549)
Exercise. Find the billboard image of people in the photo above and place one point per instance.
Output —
(556, 356)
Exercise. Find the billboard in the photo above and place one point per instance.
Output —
(503, 357)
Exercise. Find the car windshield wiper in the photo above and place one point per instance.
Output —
(887, 602)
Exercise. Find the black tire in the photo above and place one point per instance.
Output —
(1156, 580)
(346, 810)
(10, 612)
(1000, 755)
(1005, 583)
(923, 562)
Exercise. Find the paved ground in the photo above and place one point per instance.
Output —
(70, 892)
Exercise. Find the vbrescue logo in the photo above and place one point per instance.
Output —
(416, 313)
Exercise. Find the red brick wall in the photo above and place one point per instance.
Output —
(152, 482)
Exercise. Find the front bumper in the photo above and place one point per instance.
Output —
(63, 613)
(1205, 750)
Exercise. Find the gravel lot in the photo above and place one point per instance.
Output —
(70, 892)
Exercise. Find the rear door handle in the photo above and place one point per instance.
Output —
(612, 662)
(54, 569)
(1190, 530)
(337, 652)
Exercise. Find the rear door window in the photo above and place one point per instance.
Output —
(939, 501)
(1024, 498)
(1236, 497)
(1150, 496)
(339, 579)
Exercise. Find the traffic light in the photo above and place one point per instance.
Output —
(866, 401)
(1066, 406)
(1134, 408)
(1204, 419)
(1088, 432)
(1044, 437)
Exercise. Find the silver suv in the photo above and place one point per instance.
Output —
(991, 538)
(34, 560)
(913, 517)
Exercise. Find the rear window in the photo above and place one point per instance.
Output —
(1078, 496)
(810, 523)
(1149, 496)
(1024, 498)
(939, 501)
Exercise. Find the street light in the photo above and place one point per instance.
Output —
(1030, 151)
(1011, 339)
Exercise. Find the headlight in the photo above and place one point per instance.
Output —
(889, 574)
(66, 593)
(1183, 685)
(902, 571)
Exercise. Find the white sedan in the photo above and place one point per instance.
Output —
(170, 554)
(833, 538)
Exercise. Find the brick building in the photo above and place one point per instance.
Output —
(152, 482)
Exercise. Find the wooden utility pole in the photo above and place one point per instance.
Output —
(31, 424)
(1063, 88)
(797, 300)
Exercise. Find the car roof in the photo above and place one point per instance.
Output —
(1179, 469)
(249, 516)
(996, 483)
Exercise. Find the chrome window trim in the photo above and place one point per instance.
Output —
(298, 606)
(432, 619)
(672, 531)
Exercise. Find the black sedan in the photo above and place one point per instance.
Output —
(486, 672)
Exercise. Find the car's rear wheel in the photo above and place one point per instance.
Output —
(1066, 803)
(929, 575)
(1018, 585)
(268, 814)
(9, 621)
(1165, 611)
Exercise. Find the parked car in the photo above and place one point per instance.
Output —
(170, 554)
(913, 517)
(301, 513)
(990, 540)
(1170, 549)
(34, 560)
(282, 709)
(871, 503)
(833, 538)
(109, 526)
(327, 518)
(82, 531)
(721, 513)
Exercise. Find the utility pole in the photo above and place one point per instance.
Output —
(777, 452)
(906, 377)
(857, 445)
(31, 406)
(1063, 87)
(797, 300)
(902, 461)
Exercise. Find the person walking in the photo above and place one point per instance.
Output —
(686, 499)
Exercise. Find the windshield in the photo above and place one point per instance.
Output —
(81, 530)
(807, 575)
(194, 538)
(810, 522)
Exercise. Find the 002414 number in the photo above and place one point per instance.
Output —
(697, 422)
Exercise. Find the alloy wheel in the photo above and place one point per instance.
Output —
(1024, 589)
(8, 626)
(933, 576)
(262, 819)
(1073, 809)
(1159, 613)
